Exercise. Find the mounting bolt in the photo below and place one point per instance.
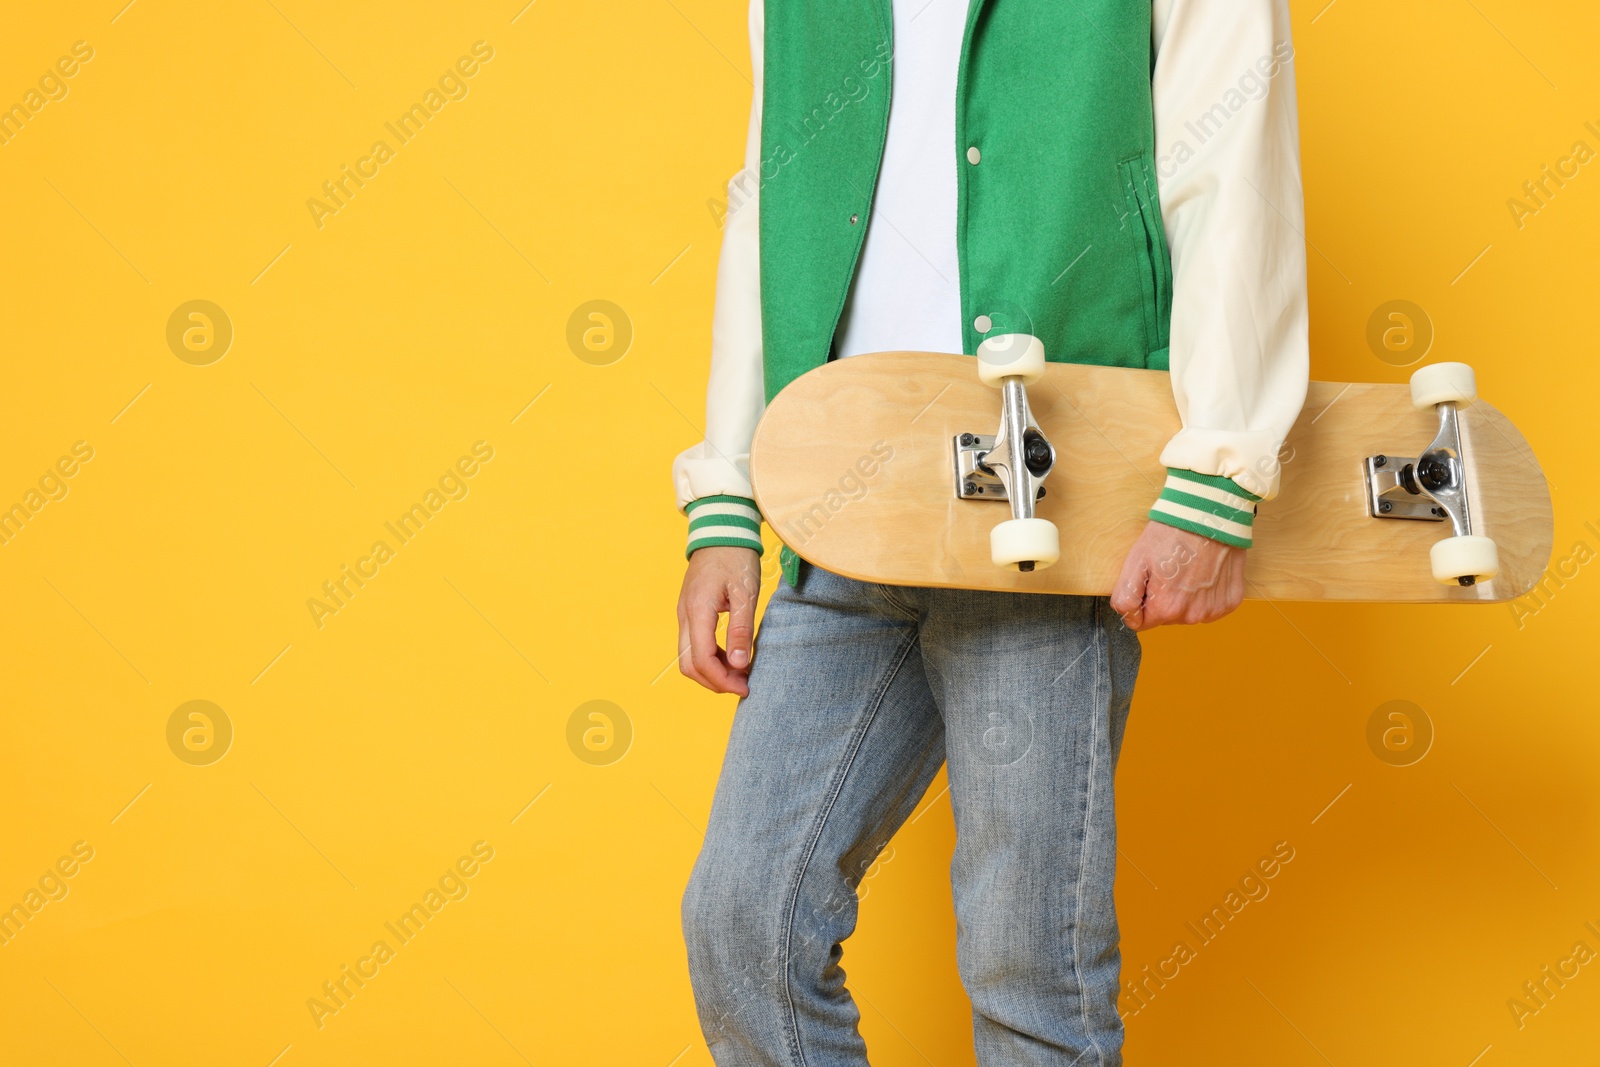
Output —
(967, 439)
(1037, 455)
(1385, 507)
(1378, 461)
(1041, 493)
(1439, 512)
(1435, 475)
(969, 489)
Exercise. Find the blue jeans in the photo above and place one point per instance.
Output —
(858, 692)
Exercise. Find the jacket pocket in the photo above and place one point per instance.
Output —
(1153, 259)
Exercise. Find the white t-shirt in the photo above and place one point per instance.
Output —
(907, 290)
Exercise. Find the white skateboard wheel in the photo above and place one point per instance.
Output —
(1441, 383)
(1021, 540)
(1471, 556)
(1010, 355)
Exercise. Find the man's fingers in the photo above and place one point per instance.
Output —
(1128, 599)
(685, 650)
(741, 626)
(1206, 607)
(1172, 576)
(1154, 612)
(703, 650)
(718, 580)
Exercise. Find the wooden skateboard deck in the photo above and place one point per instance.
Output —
(852, 466)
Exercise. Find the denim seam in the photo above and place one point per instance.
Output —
(894, 601)
(1083, 853)
(816, 836)
(889, 819)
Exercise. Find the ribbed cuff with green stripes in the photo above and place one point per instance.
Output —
(723, 520)
(1208, 505)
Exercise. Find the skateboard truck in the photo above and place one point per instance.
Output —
(1012, 464)
(1433, 487)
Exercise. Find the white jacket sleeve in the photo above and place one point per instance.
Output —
(1228, 168)
(712, 479)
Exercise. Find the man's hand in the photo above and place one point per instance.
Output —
(1172, 575)
(719, 579)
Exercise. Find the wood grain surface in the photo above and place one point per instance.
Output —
(852, 467)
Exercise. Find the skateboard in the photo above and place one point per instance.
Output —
(1006, 472)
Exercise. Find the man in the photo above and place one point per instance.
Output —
(1024, 175)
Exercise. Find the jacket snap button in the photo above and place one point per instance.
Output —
(982, 324)
(853, 219)
(973, 155)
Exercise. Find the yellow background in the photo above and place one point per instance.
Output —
(432, 709)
